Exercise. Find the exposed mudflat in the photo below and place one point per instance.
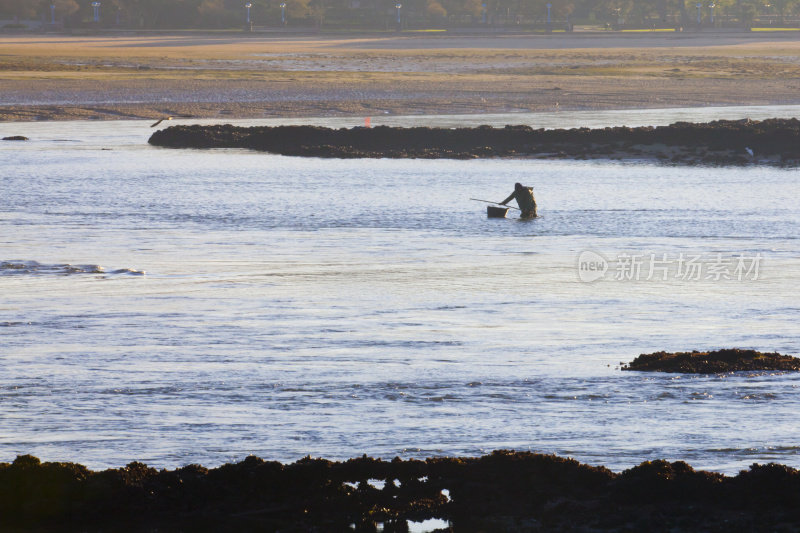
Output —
(724, 142)
(730, 360)
(504, 491)
(55, 77)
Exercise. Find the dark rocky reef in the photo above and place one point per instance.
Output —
(729, 360)
(16, 138)
(723, 142)
(504, 491)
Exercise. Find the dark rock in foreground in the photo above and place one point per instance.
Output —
(730, 360)
(504, 491)
(16, 138)
(724, 142)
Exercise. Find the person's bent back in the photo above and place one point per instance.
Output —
(525, 200)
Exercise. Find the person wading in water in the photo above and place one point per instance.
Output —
(525, 200)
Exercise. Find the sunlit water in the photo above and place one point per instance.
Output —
(181, 306)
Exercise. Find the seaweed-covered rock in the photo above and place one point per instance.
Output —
(503, 491)
(723, 142)
(16, 138)
(728, 360)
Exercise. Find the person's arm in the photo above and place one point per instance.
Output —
(504, 202)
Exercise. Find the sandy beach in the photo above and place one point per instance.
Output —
(253, 76)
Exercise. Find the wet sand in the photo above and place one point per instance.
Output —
(244, 76)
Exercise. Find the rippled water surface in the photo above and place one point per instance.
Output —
(180, 306)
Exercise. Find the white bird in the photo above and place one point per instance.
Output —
(160, 121)
(748, 150)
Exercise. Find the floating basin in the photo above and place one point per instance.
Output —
(496, 212)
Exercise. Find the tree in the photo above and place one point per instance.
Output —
(24, 9)
(460, 8)
(435, 10)
(317, 11)
(63, 8)
(214, 13)
(784, 7)
(164, 13)
(111, 11)
(296, 9)
(747, 12)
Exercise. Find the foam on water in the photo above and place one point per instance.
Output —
(17, 267)
(340, 307)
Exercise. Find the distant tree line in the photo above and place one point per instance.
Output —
(166, 14)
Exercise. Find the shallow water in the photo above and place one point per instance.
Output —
(181, 306)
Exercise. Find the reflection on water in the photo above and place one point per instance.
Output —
(340, 307)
